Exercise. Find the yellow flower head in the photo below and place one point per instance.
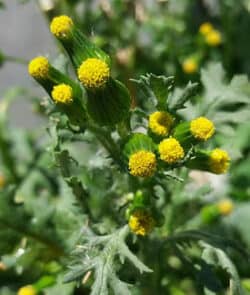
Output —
(160, 123)
(202, 128)
(2, 181)
(141, 222)
(189, 66)
(142, 163)
(61, 26)
(27, 290)
(205, 28)
(3, 267)
(39, 67)
(62, 93)
(225, 207)
(93, 73)
(213, 38)
(219, 161)
(170, 150)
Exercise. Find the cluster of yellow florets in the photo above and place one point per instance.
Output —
(219, 161)
(142, 163)
(39, 68)
(205, 28)
(170, 150)
(160, 123)
(141, 222)
(27, 290)
(202, 128)
(212, 36)
(190, 66)
(61, 26)
(225, 207)
(93, 73)
(62, 93)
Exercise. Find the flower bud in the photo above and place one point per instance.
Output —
(66, 94)
(141, 222)
(160, 123)
(216, 161)
(195, 131)
(27, 290)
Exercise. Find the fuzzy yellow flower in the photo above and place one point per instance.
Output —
(141, 222)
(213, 38)
(205, 28)
(142, 163)
(202, 128)
(62, 93)
(27, 290)
(170, 150)
(225, 207)
(2, 181)
(219, 161)
(61, 26)
(3, 267)
(93, 73)
(190, 66)
(160, 123)
(39, 67)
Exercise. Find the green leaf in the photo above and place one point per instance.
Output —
(180, 97)
(217, 257)
(118, 286)
(225, 103)
(215, 240)
(156, 88)
(99, 253)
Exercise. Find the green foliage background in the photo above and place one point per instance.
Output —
(62, 210)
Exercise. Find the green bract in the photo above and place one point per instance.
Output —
(138, 142)
(109, 105)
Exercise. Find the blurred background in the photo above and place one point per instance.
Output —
(159, 36)
(24, 34)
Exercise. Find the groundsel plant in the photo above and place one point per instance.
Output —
(143, 151)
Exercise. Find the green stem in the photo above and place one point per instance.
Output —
(108, 143)
(14, 59)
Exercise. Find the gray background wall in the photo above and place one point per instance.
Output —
(23, 33)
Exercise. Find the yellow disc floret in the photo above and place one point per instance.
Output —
(213, 38)
(202, 128)
(160, 123)
(93, 73)
(219, 161)
(142, 163)
(61, 26)
(62, 93)
(225, 207)
(170, 150)
(39, 67)
(27, 290)
(141, 222)
(189, 66)
(205, 28)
